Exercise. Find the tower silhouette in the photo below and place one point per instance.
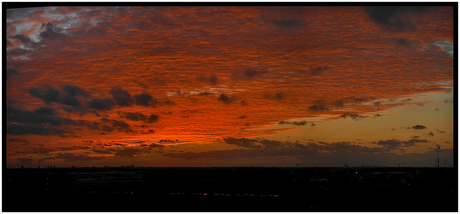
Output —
(437, 151)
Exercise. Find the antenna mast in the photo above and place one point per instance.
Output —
(437, 151)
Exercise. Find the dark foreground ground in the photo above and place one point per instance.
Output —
(230, 189)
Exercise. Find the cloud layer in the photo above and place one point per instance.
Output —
(87, 76)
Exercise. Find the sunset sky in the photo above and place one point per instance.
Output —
(229, 86)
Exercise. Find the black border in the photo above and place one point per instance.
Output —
(12, 5)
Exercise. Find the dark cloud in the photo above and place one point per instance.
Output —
(412, 142)
(39, 116)
(17, 53)
(150, 131)
(129, 131)
(144, 100)
(225, 99)
(130, 152)
(15, 129)
(104, 151)
(403, 42)
(338, 103)
(133, 116)
(393, 144)
(42, 121)
(352, 100)
(73, 148)
(257, 143)
(387, 145)
(394, 18)
(343, 147)
(120, 124)
(51, 32)
(153, 118)
(156, 145)
(226, 154)
(277, 96)
(16, 14)
(36, 151)
(318, 70)
(129, 141)
(115, 124)
(93, 125)
(390, 144)
(69, 100)
(18, 140)
(250, 73)
(205, 93)
(442, 132)
(122, 97)
(73, 91)
(167, 141)
(22, 38)
(415, 136)
(357, 100)
(45, 110)
(254, 148)
(138, 142)
(271, 144)
(286, 22)
(297, 123)
(319, 106)
(353, 116)
(11, 72)
(107, 128)
(418, 127)
(12, 101)
(430, 134)
(242, 142)
(406, 100)
(101, 104)
(49, 94)
(73, 157)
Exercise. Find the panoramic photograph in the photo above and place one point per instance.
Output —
(230, 108)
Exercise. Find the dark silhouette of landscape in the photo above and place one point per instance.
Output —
(132, 188)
